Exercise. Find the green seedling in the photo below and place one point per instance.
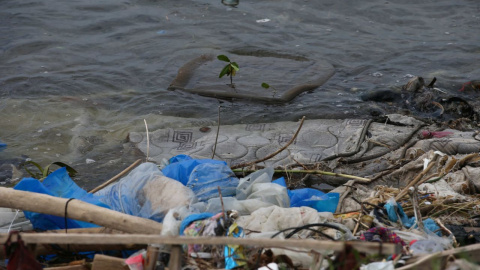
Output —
(230, 69)
(267, 86)
(44, 172)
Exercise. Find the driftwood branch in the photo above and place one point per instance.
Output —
(246, 164)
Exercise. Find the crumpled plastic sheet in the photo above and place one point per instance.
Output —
(58, 184)
(146, 193)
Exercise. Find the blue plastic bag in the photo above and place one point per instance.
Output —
(395, 210)
(58, 184)
(207, 177)
(322, 202)
(179, 158)
(2, 145)
(183, 165)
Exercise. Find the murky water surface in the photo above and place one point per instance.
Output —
(77, 76)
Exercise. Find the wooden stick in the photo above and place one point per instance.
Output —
(414, 182)
(362, 179)
(358, 223)
(70, 267)
(317, 261)
(175, 262)
(87, 230)
(104, 262)
(309, 244)
(445, 229)
(221, 201)
(412, 191)
(148, 140)
(424, 262)
(218, 131)
(424, 259)
(152, 256)
(79, 210)
(348, 189)
(246, 164)
(116, 177)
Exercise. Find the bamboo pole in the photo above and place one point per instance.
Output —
(307, 244)
(79, 210)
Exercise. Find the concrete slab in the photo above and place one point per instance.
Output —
(288, 76)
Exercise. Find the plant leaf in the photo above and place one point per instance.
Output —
(234, 65)
(225, 70)
(71, 171)
(265, 85)
(224, 58)
(34, 175)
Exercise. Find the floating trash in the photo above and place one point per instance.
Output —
(263, 20)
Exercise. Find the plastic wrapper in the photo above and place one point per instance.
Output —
(245, 184)
(270, 193)
(235, 254)
(378, 266)
(244, 207)
(259, 186)
(136, 260)
(421, 247)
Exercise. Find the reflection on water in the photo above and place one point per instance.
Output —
(77, 76)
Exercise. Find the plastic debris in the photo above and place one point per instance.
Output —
(425, 247)
(136, 260)
(189, 203)
(378, 266)
(58, 184)
(234, 254)
(2, 145)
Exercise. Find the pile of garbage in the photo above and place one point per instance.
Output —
(425, 215)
